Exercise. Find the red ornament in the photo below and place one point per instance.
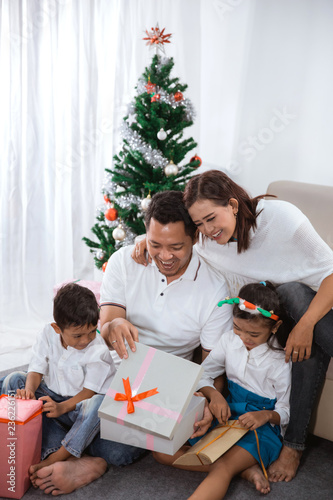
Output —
(111, 214)
(104, 266)
(196, 158)
(178, 96)
(151, 87)
(156, 97)
(106, 199)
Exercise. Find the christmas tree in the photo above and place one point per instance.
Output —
(151, 157)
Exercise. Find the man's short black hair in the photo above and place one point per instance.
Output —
(168, 206)
(75, 305)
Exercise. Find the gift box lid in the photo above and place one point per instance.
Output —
(151, 391)
(18, 410)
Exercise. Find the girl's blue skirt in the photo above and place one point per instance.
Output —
(270, 440)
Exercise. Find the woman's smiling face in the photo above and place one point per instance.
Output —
(216, 222)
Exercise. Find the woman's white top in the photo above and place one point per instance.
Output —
(284, 247)
(260, 370)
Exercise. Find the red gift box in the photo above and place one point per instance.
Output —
(20, 443)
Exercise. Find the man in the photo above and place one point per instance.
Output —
(170, 304)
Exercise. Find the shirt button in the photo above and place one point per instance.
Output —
(163, 281)
(162, 293)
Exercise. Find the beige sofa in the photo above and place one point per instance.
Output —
(316, 202)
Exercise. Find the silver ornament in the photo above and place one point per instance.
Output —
(146, 202)
(100, 255)
(161, 134)
(171, 169)
(118, 233)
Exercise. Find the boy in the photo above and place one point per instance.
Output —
(71, 369)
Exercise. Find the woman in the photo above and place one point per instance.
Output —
(252, 239)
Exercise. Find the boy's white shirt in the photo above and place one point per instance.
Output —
(67, 371)
(260, 370)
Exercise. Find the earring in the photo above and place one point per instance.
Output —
(235, 214)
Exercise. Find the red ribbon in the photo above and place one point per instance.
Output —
(132, 399)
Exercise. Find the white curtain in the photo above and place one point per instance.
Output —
(57, 90)
(266, 108)
(259, 75)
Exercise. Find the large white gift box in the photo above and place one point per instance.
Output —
(150, 403)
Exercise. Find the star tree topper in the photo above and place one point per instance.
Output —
(156, 38)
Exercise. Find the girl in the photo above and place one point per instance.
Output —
(259, 387)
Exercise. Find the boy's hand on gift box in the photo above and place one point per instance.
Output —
(202, 426)
(52, 408)
(25, 394)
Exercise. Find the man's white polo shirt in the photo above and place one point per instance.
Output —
(175, 318)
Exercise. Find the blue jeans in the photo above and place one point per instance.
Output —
(62, 430)
(307, 376)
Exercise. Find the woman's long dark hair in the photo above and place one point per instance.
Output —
(216, 186)
(266, 297)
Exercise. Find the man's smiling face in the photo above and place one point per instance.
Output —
(170, 248)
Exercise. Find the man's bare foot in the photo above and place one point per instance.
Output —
(64, 477)
(285, 467)
(254, 475)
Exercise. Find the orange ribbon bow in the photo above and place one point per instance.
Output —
(132, 399)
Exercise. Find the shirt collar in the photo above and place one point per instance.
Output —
(257, 354)
(192, 269)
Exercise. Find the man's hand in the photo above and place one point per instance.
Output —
(202, 426)
(52, 408)
(25, 394)
(116, 332)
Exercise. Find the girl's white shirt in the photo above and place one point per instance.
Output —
(260, 370)
(284, 247)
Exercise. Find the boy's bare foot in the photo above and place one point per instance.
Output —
(254, 475)
(285, 467)
(57, 456)
(64, 477)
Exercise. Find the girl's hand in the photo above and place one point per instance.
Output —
(254, 419)
(140, 254)
(299, 343)
(25, 394)
(202, 426)
(220, 408)
(54, 409)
